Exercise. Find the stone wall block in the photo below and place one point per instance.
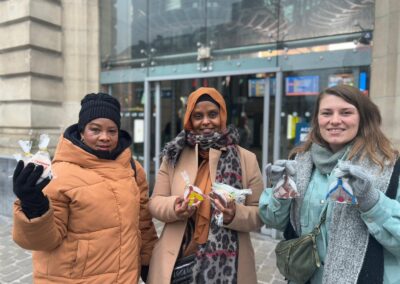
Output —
(15, 114)
(46, 115)
(46, 63)
(47, 89)
(12, 10)
(15, 62)
(30, 88)
(51, 39)
(30, 60)
(15, 88)
(49, 11)
(15, 35)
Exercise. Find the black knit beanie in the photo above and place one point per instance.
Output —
(99, 105)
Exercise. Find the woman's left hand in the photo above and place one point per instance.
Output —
(228, 212)
(361, 183)
(182, 208)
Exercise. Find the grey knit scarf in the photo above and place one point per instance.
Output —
(348, 235)
(325, 160)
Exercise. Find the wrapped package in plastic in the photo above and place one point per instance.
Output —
(26, 146)
(340, 191)
(226, 194)
(42, 157)
(192, 192)
(286, 188)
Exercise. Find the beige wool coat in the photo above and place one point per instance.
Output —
(169, 185)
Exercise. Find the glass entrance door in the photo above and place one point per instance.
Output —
(244, 96)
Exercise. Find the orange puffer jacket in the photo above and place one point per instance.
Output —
(98, 228)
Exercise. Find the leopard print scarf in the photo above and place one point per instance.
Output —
(217, 259)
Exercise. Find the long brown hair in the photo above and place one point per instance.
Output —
(369, 140)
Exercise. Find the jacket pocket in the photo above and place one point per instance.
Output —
(79, 264)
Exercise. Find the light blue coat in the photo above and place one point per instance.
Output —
(382, 220)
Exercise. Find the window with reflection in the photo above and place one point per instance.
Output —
(140, 33)
(123, 32)
(300, 19)
(233, 23)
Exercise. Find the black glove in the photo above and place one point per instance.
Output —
(144, 272)
(33, 202)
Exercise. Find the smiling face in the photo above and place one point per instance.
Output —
(101, 134)
(338, 121)
(205, 118)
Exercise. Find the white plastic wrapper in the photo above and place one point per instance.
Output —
(193, 193)
(226, 194)
(41, 157)
(26, 146)
(286, 188)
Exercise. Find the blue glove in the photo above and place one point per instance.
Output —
(361, 183)
(25, 186)
(276, 171)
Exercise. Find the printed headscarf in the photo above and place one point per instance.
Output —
(191, 104)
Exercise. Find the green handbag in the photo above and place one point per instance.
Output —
(298, 258)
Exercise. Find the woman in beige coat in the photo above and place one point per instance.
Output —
(207, 150)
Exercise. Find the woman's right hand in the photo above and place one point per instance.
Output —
(182, 208)
(26, 188)
(281, 167)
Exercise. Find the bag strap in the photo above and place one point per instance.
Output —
(133, 165)
(394, 181)
(317, 228)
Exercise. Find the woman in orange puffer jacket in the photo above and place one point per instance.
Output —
(90, 223)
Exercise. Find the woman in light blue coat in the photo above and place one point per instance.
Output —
(358, 243)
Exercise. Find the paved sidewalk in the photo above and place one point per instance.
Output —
(16, 263)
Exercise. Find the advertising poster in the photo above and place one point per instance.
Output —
(302, 85)
(292, 120)
(256, 87)
(138, 131)
(302, 130)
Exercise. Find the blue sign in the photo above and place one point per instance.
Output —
(302, 85)
(302, 130)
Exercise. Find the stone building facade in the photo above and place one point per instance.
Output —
(49, 58)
